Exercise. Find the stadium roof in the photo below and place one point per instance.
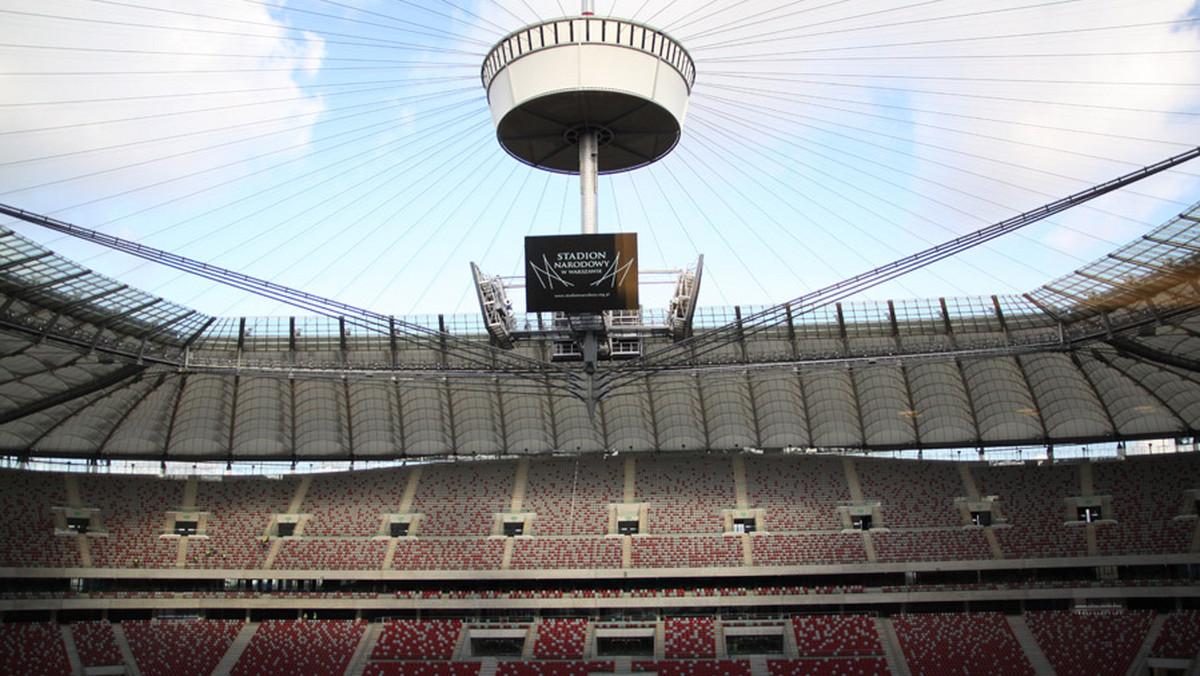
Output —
(94, 368)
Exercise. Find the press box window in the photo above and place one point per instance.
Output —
(629, 527)
(744, 525)
(79, 524)
(286, 529)
(186, 527)
(514, 528)
(1088, 514)
(398, 529)
(981, 518)
(861, 521)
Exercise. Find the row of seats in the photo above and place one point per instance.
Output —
(295, 647)
(960, 643)
(840, 635)
(830, 666)
(684, 497)
(1180, 636)
(1090, 643)
(33, 649)
(689, 637)
(417, 639)
(96, 643)
(562, 639)
(180, 647)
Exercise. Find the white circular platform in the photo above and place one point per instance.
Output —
(548, 82)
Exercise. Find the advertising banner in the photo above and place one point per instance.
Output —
(581, 273)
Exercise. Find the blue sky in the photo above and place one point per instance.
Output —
(346, 148)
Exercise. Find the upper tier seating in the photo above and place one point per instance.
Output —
(449, 554)
(960, 643)
(798, 493)
(463, 498)
(300, 648)
(240, 510)
(352, 503)
(1180, 636)
(571, 495)
(331, 554)
(132, 510)
(954, 544)
(417, 639)
(687, 551)
(685, 494)
(1033, 501)
(1148, 493)
(33, 649)
(27, 536)
(912, 495)
(808, 549)
(1090, 643)
(689, 637)
(827, 635)
(180, 647)
(566, 553)
(96, 643)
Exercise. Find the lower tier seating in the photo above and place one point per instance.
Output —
(96, 643)
(300, 648)
(1090, 643)
(180, 647)
(830, 666)
(960, 643)
(33, 649)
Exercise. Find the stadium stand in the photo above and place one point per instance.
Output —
(32, 648)
(417, 640)
(694, 667)
(836, 635)
(180, 647)
(571, 496)
(560, 639)
(1180, 636)
(1097, 643)
(689, 637)
(798, 494)
(936, 644)
(830, 666)
(294, 647)
(422, 669)
(96, 643)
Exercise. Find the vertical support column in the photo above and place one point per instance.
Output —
(589, 170)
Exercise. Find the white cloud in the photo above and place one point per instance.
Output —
(130, 97)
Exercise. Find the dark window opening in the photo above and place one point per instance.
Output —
(861, 521)
(79, 524)
(186, 527)
(286, 529)
(398, 529)
(981, 518)
(771, 644)
(634, 646)
(743, 525)
(627, 527)
(497, 647)
(1088, 514)
(514, 528)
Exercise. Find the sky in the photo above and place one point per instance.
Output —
(346, 149)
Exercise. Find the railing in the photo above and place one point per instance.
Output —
(561, 32)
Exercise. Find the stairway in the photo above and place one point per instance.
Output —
(891, 647)
(225, 666)
(1041, 665)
